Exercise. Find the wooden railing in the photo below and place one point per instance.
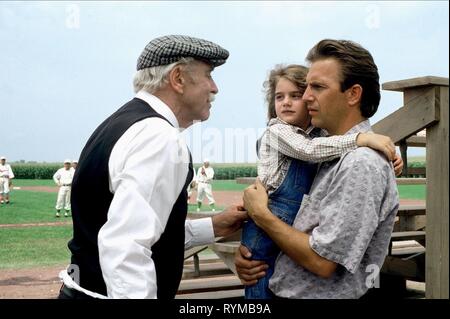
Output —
(425, 108)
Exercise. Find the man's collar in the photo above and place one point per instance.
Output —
(361, 127)
(159, 106)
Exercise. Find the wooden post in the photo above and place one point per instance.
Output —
(437, 285)
(404, 154)
(430, 93)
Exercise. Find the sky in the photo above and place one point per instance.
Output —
(66, 66)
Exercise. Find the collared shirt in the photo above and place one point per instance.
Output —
(207, 177)
(147, 171)
(64, 176)
(6, 171)
(282, 142)
(349, 215)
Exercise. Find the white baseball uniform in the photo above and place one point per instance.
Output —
(6, 174)
(204, 184)
(63, 178)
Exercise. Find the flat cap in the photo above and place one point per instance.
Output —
(171, 48)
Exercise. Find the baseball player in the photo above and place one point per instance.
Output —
(205, 175)
(6, 175)
(192, 185)
(63, 178)
(74, 164)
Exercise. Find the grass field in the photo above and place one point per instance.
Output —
(33, 182)
(34, 246)
(28, 207)
(46, 246)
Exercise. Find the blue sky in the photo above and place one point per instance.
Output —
(65, 66)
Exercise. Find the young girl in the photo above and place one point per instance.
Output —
(289, 149)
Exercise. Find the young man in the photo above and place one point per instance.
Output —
(342, 231)
(129, 200)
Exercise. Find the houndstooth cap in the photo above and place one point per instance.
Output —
(171, 48)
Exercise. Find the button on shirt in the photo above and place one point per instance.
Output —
(349, 215)
(64, 176)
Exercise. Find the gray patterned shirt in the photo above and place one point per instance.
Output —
(349, 215)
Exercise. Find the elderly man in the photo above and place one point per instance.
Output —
(205, 176)
(6, 175)
(341, 234)
(129, 199)
(63, 178)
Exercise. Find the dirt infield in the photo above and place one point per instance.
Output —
(33, 283)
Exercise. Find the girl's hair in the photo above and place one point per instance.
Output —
(293, 72)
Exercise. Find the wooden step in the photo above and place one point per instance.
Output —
(408, 250)
(408, 235)
(411, 210)
(209, 269)
(411, 181)
(212, 283)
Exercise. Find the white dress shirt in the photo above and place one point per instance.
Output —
(147, 169)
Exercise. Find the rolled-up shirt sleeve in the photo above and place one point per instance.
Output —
(146, 179)
(349, 214)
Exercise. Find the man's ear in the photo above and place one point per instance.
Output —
(354, 94)
(176, 79)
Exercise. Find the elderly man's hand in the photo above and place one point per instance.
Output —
(256, 200)
(249, 271)
(229, 221)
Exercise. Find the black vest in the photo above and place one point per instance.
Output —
(91, 199)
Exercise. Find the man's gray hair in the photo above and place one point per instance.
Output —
(153, 78)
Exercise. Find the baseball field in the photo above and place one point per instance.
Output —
(33, 242)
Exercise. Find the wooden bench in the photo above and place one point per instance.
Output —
(193, 252)
(216, 281)
(408, 235)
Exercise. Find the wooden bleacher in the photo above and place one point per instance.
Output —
(211, 278)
